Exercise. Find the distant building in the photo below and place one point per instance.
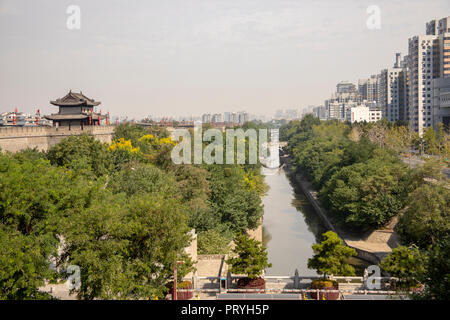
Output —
(393, 102)
(428, 59)
(234, 117)
(369, 88)
(358, 114)
(320, 112)
(346, 96)
(75, 109)
(289, 114)
(243, 117)
(217, 118)
(335, 109)
(12, 119)
(206, 118)
(441, 101)
(345, 87)
(375, 114)
(363, 113)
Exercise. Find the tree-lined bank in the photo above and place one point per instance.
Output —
(363, 184)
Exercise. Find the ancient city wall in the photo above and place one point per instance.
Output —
(14, 139)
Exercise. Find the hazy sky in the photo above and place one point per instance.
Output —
(182, 57)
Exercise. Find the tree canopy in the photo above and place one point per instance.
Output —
(251, 258)
(331, 256)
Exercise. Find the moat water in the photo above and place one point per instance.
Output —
(291, 227)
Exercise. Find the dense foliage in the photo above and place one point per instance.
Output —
(407, 264)
(331, 256)
(250, 257)
(363, 183)
(122, 212)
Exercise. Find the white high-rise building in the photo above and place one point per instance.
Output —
(429, 59)
(421, 68)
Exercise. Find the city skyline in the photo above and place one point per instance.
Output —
(177, 59)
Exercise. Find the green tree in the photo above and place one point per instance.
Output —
(331, 256)
(82, 153)
(126, 246)
(368, 194)
(23, 266)
(427, 217)
(431, 141)
(437, 276)
(214, 241)
(138, 178)
(34, 197)
(251, 257)
(406, 263)
(238, 206)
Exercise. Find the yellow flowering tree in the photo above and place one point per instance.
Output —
(156, 150)
(123, 151)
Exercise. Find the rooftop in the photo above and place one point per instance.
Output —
(73, 99)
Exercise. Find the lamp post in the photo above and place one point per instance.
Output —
(175, 279)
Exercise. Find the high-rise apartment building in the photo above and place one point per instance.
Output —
(441, 101)
(441, 29)
(422, 71)
(428, 59)
(369, 88)
(393, 102)
(444, 47)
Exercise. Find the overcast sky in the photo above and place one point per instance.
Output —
(182, 57)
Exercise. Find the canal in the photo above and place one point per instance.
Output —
(291, 227)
